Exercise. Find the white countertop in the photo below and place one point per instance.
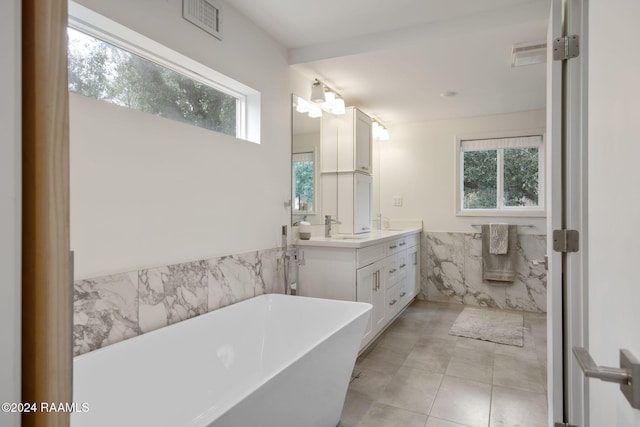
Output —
(358, 240)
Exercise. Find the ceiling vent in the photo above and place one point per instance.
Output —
(205, 14)
(528, 53)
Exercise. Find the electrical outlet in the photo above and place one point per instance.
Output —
(397, 201)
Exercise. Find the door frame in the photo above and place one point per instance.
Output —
(47, 309)
(576, 186)
(567, 279)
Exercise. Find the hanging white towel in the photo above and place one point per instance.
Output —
(499, 239)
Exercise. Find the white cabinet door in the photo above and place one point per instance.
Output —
(362, 203)
(369, 289)
(363, 141)
(347, 142)
(413, 280)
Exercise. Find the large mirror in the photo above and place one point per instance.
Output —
(305, 180)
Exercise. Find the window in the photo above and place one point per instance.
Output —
(111, 63)
(501, 175)
(304, 183)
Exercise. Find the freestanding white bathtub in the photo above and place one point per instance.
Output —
(273, 360)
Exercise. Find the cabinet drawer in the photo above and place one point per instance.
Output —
(393, 246)
(403, 263)
(370, 254)
(407, 242)
(391, 271)
(404, 293)
(391, 302)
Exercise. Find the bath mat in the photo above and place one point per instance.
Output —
(490, 325)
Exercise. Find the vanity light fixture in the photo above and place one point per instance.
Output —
(317, 91)
(304, 106)
(329, 100)
(380, 132)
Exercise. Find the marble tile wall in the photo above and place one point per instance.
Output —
(452, 272)
(113, 308)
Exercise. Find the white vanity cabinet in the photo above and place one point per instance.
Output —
(382, 271)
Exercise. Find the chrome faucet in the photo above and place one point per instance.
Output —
(327, 225)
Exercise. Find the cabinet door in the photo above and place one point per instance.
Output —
(413, 276)
(369, 289)
(362, 203)
(363, 142)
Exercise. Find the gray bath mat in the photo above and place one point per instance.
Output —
(489, 325)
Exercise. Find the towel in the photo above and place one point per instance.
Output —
(499, 267)
(499, 241)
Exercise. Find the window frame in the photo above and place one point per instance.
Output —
(314, 155)
(248, 100)
(501, 210)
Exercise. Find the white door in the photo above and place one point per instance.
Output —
(598, 195)
(613, 242)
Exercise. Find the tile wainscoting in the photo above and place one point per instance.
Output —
(113, 308)
(452, 272)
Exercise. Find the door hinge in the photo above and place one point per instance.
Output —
(566, 47)
(566, 240)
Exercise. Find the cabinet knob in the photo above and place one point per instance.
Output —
(393, 270)
(393, 246)
(403, 265)
(402, 294)
(393, 302)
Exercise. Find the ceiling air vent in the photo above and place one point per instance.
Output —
(205, 14)
(528, 53)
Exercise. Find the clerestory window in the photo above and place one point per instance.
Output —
(111, 63)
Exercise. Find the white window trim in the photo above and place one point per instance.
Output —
(515, 211)
(101, 27)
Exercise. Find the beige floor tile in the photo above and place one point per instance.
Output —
(412, 389)
(431, 355)
(370, 383)
(418, 370)
(463, 401)
(513, 407)
(437, 422)
(518, 372)
(384, 360)
(356, 405)
(381, 415)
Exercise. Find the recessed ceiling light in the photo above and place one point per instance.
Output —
(449, 94)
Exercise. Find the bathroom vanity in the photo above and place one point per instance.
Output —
(381, 268)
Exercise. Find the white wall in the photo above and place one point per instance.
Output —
(10, 211)
(146, 191)
(425, 155)
(614, 206)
